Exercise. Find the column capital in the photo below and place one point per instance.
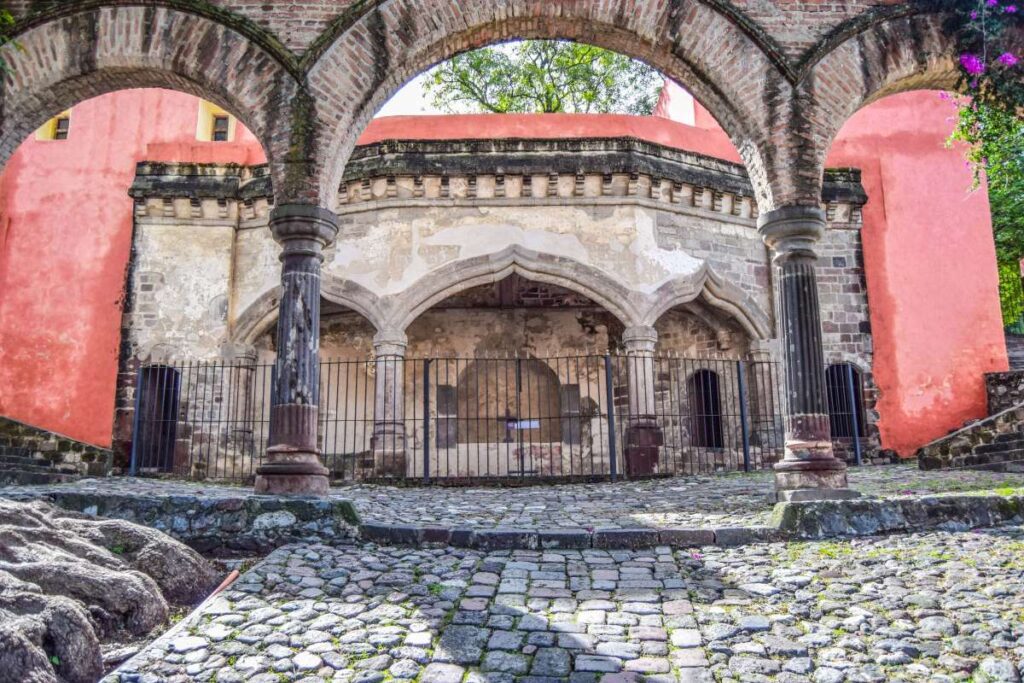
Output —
(640, 339)
(390, 343)
(792, 231)
(303, 229)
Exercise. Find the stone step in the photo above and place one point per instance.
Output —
(1014, 446)
(1011, 437)
(16, 450)
(20, 477)
(10, 460)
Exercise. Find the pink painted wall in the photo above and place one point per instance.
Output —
(929, 261)
(930, 267)
(65, 236)
(65, 230)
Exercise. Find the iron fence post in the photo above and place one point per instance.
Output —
(136, 422)
(610, 397)
(744, 417)
(854, 418)
(426, 420)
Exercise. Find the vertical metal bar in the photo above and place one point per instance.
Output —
(426, 420)
(854, 417)
(613, 465)
(744, 427)
(136, 423)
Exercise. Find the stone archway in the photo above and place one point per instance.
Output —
(356, 70)
(70, 55)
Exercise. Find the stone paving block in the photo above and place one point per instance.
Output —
(505, 539)
(564, 538)
(462, 537)
(625, 538)
(390, 534)
(686, 538)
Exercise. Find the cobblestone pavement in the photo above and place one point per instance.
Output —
(922, 607)
(694, 501)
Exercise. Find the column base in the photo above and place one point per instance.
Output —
(390, 464)
(643, 443)
(292, 473)
(812, 479)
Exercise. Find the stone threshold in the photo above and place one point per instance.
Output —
(806, 520)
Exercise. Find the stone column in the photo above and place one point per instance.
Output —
(292, 464)
(809, 470)
(389, 454)
(643, 435)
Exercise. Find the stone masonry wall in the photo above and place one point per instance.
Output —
(1004, 390)
(618, 246)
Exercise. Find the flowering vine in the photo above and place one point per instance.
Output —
(989, 35)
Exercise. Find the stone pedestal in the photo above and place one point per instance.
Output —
(292, 464)
(809, 470)
(643, 437)
(388, 441)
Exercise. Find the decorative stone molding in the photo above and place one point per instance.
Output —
(541, 171)
(590, 169)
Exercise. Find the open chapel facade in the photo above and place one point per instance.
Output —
(659, 307)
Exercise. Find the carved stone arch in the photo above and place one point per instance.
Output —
(261, 315)
(78, 54)
(712, 290)
(716, 57)
(452, 278)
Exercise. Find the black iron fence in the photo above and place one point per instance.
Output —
(472, 419)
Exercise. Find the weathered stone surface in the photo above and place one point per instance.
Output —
(211, 519)
(67, 581)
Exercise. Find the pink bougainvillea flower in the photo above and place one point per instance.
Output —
(1010, 9)
(974, 15)
(1008, 59)
(972, 64)
(992, 3)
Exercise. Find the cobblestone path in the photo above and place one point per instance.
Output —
(707, 501)
(921, 607)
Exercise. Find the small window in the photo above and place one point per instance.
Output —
(61, 127)
(221, 128)
(57, 128)
(214, 124)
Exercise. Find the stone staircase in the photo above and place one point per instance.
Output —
(17, 467)
(995, 442)
(30, 455)
(1015, 351)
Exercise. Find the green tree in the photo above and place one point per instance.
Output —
(544, 76)
(996, 136)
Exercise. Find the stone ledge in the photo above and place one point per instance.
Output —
(218, 525)
(872, 516)
(790, 521)
(508, 538)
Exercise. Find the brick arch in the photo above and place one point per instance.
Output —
(76, 55)
(717, 59)
(901, 52)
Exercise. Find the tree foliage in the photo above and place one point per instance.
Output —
(544, 76)
(997, 148)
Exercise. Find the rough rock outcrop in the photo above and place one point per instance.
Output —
(68, 581)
